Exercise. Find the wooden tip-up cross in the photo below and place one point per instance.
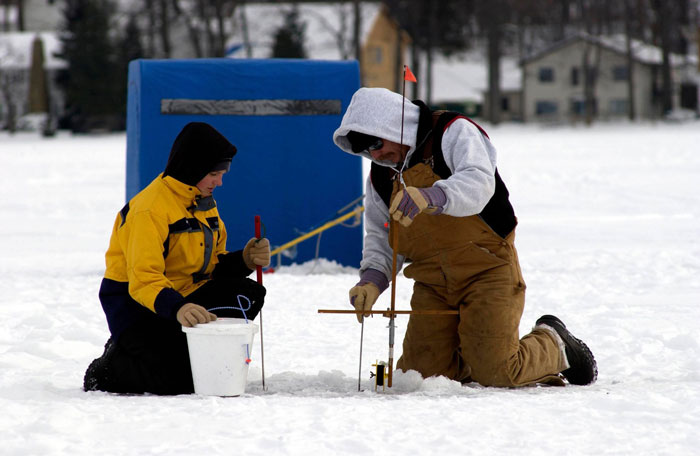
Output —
(388, 312)
(391, 314)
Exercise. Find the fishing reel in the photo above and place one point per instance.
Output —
(380, 375)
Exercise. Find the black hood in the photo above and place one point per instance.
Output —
(198, 150)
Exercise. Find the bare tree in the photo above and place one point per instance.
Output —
(20, 15)
(356, 27)
(664, 12)
(164, 8)
(209, 22)
(629, 34)
(5, 15)
(7, 80)
(191, 22)
(346, 47)
(151, 28)
(433, 26)
(18, 6)
(593, 17)
(244, 30)
(492, 20)
(590, 66)
(159, 14)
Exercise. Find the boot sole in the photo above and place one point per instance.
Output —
(584, 374)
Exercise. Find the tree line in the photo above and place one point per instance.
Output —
(520, 27)
(99, 41)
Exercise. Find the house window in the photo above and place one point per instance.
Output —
(546, 74)
(545, 107)
(574, 76)
(618, 106)
(505, 104)
(620, 73)
(690, 96)
(376, 55)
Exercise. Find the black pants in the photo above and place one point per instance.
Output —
(151, 355)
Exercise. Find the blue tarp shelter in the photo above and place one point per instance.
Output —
(280, 114)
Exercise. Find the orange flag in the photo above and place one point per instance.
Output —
(408, 74)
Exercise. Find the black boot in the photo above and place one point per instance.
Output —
(583, 369)
(97, 373)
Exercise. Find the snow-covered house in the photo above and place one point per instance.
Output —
(553, 88)
(460, 82)
(42, 15)
(15, 67)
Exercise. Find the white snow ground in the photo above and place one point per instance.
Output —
(608, 240)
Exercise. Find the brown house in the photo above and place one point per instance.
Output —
(384, 48)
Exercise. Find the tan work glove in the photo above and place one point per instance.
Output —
(257, 253)
(363, 297)
(191, 314)
(412, 201)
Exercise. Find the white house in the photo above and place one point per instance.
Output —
(553, 88)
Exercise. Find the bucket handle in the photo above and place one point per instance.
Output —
(240, 307)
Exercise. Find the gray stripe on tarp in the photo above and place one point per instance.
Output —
(262, 107)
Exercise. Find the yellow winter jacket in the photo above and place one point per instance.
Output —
(159, 244)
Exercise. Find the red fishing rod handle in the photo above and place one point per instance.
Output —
(258, 269)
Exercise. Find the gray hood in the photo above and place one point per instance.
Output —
(377, 112)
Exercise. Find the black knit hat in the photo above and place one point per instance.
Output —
(198, 149)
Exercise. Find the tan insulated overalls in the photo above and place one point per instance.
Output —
(461, 263)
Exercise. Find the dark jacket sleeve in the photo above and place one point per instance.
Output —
(231, 264)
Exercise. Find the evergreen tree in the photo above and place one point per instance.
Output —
(91, 80)
(129, 48)
(289, 39)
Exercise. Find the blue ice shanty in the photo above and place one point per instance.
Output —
(280, 114)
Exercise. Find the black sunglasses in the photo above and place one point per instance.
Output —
(378, 144)
(364, 143)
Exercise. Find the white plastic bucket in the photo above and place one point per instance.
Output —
(218, 354)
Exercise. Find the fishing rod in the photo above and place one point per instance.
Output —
(258, 270)
(394, 231)
(391, 312)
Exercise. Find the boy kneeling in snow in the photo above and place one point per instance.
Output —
(167, 265)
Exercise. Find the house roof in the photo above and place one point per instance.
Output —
(329, 26)
(642, 52)
(16, 50)
(464, 76)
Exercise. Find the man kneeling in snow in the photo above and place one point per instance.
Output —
(167, 265)
(456, 225)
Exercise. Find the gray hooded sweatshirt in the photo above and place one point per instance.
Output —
(469, 155)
